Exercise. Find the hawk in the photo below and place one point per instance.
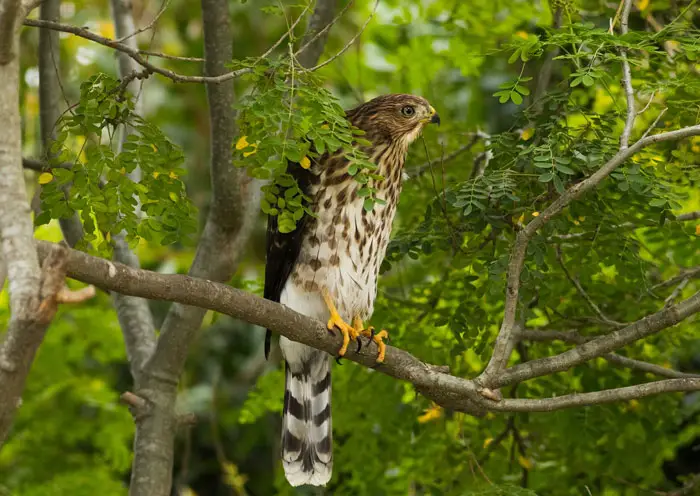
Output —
(328, 267)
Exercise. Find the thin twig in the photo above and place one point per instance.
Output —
(627, 79)
(583, 292)
(349, 43)
(321, 32)
(164, 6)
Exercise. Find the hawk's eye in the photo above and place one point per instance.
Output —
(408, 111)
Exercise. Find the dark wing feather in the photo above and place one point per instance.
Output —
(283, 248)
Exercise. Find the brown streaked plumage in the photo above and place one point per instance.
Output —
(329, 266)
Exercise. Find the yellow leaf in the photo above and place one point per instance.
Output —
(45, 178)
(324, 126)
(432, 413)
(521, 34)
(527, 133)
(695, 148)
(487, 441)
(172, 175)
(633, 405)
(642, 4)
(305, 162)
(156, 174)
(123, 170)
(526, 463)
(254, 147)
(535, 214)
(242, 143)
(697, 230)
(108, 236)
(173, 196)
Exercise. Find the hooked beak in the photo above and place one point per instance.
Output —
(434, 117)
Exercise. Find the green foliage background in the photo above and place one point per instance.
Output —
(441, 296)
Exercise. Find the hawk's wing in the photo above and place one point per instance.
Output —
(283, 248)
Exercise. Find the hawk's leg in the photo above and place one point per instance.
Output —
(377, 338)
(336, 320)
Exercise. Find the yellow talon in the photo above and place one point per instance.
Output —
(335, 320)
(379, 339)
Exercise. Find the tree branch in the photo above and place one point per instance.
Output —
(576, 338)
(134, 314)
(599, 346)
(349, 43)
(135, 54)
(502, 348)
(627, 80)
(575, 282)
(430, 380)
(16, 231)
(9, 11)
(598, 397)
(50, 102)
(316, 34)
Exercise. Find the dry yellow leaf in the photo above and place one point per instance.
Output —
(526, 463)
(242, 143)
(45, 178)
(432, 413)
(535, 214)
(305, 162)
(527, 133)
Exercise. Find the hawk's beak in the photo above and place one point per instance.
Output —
(434, 117)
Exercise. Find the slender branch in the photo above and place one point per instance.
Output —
(425, 166)
(647, 326)
(583, 292)
(134, 314)
(50, 91)
(316, 34)
(685, 274)
(41, 166)
(627, 79)
(148, 26)
(688, 216)
(349, 43)
(598, 397)
(501, 352)
(135, 54)
(576, 338)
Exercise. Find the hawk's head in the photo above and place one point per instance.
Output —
(396, 117)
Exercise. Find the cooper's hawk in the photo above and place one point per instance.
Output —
(327, 269)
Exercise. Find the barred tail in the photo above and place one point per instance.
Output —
(307, 453)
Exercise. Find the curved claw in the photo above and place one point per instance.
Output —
(359, 344)
(338, 359)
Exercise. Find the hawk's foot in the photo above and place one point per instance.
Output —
(348, 331)
(378, 338)
(335, 320)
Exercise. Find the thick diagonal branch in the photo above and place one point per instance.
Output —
(432, 381)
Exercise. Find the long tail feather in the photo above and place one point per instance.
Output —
(307, 453)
